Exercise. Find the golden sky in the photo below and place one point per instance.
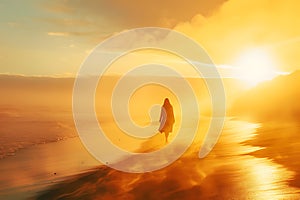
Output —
(53, 37)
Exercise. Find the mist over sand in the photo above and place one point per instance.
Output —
(230, 171)
(251, 160)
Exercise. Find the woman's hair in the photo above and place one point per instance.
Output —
(166, 102)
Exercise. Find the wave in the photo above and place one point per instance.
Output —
(11, 148)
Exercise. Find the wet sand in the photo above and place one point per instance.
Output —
(281, 144)
(245, 164)
(36, 168)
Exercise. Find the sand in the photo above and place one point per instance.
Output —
(36, 168)
(230, 171)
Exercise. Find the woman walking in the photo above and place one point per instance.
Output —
(167, 119)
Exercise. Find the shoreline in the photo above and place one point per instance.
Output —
(225, 169)
(227, 160)
(23, 178)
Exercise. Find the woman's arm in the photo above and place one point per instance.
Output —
(161, 114)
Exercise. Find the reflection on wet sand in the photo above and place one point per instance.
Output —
(229, 172)
(268, 179)
(282, 145)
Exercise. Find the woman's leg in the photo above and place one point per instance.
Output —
(167, 135)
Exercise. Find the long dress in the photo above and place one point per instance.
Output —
(166, 119)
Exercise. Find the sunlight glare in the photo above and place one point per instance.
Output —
(255, 66)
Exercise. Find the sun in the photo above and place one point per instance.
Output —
(255, 66)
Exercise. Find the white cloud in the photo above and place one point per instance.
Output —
(58, 34)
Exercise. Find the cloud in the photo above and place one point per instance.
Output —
(55, 6)
(224, 28)
(75, 33)
(68, 22)
(239, 25)
(12, 24)
(58, 34)
(110, 16)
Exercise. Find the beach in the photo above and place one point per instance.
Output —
(35, 168)
(238, 168)
(43, 156)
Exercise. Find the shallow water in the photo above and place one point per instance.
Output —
(251, 177)
(34, 168)
(243, 165)
(230, 171)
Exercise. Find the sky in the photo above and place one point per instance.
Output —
(53, 37)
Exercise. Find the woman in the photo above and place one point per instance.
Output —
(166, 119)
